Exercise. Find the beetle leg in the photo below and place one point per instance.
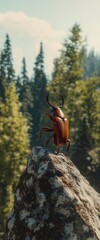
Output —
(68, 145)
(49, 140)
(58, 150)
(45, 129)
(51, 118)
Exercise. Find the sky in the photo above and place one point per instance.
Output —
(29, 22)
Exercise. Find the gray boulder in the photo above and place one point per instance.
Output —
(53, 201)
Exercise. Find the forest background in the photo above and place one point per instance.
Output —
(23, 107)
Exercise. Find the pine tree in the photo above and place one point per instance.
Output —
(18, 85)
(2, 70)
(39, 64)
(73, 55)
(2, 77)
(39, 94)
(24, 76)
(82, 145)
(68, 68)
(25, 93)
(6, 67)
(8, 62)
(85, 124)
(14, 148)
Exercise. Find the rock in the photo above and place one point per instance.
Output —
(53, 201)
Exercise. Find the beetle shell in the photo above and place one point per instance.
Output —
(61, 130)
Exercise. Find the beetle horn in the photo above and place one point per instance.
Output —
(48, 101)
(53, 105)
(62, 101)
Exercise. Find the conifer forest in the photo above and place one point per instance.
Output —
(23, 111)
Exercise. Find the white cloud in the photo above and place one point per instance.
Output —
(35, 27)
(29, 30)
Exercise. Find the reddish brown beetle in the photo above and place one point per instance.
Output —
(60, 126)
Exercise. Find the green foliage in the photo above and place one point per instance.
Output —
(6, 67)
(2, 69)
(39, 95)
(68, 68)
(24, 91)
(84, 103)
(91, 64)
(73, 54)
(14, 147)
(26, 99)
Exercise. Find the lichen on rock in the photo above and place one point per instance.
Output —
(53, 201)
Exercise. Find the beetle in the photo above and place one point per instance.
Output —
(60, 126)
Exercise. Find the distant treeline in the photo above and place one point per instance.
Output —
(76, 76)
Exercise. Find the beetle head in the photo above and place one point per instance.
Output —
(57, 112)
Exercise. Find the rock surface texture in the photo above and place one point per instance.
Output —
(53, 201)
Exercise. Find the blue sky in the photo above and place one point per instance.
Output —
(28, 22)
